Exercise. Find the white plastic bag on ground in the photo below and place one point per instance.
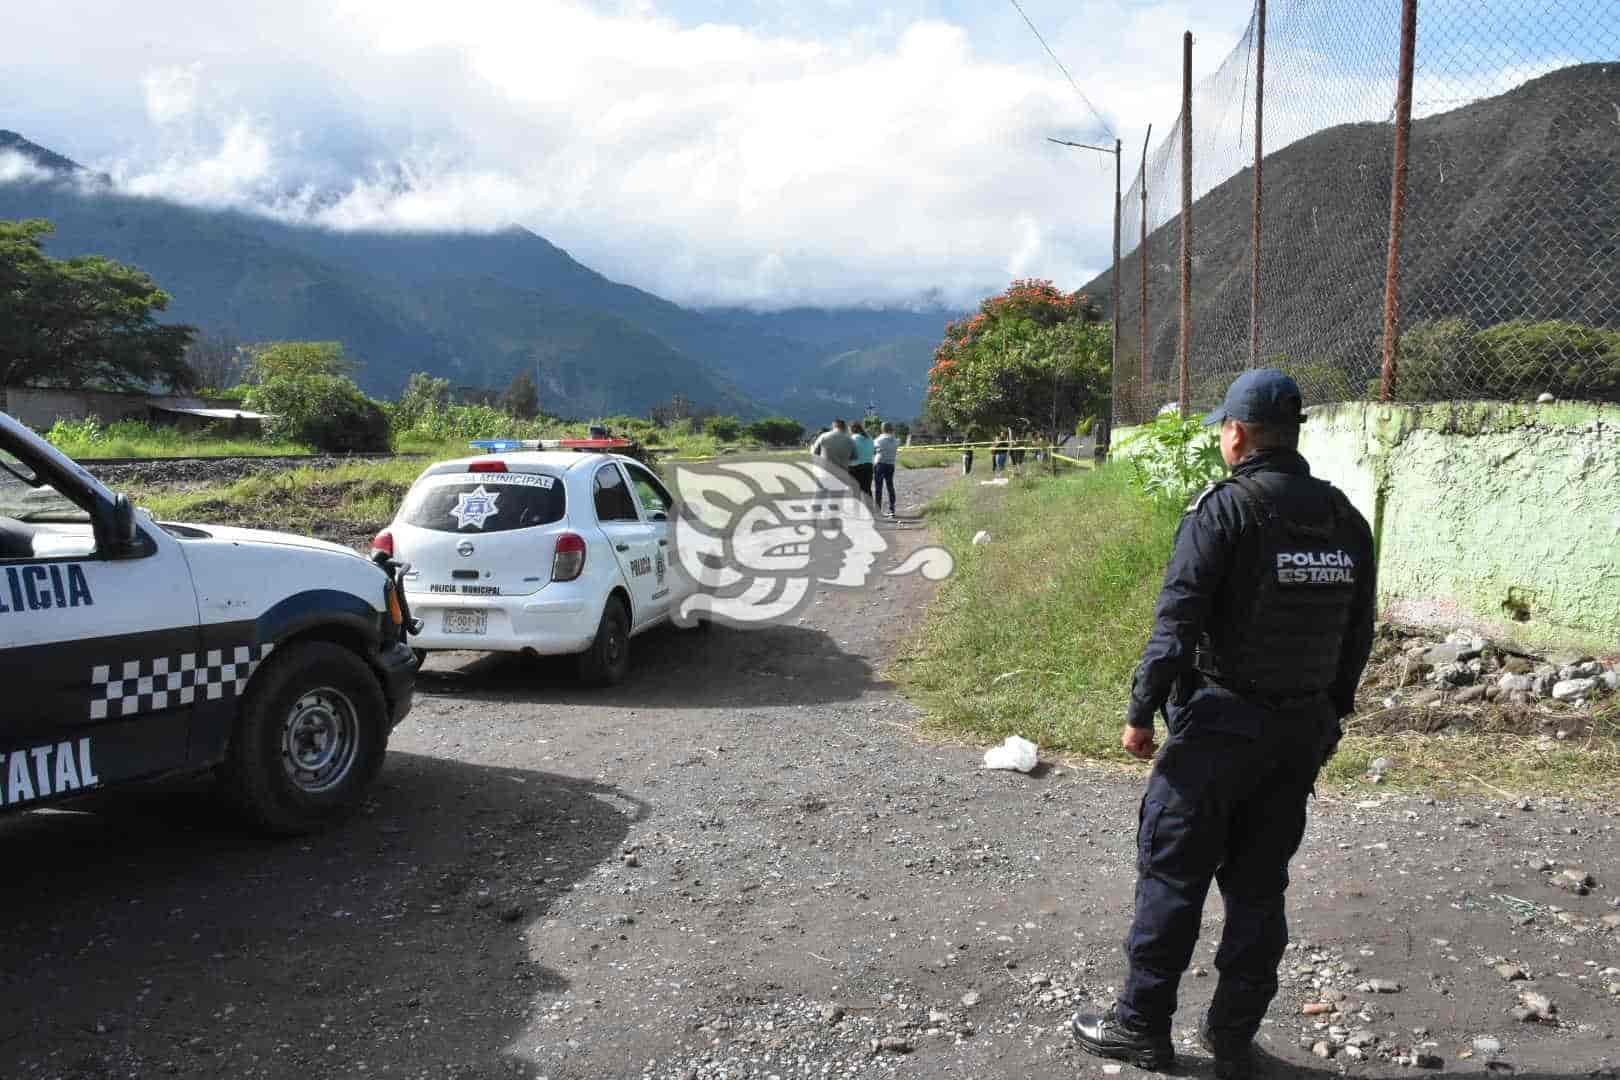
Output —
(1016, 753)
(981, 537)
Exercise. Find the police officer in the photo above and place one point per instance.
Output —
(1262, 629)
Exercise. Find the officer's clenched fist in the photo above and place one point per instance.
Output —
(1138, 742)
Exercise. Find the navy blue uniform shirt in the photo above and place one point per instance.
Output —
(1217, 561)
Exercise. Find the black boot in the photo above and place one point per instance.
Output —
(1109, 1037)
(1235, 1059)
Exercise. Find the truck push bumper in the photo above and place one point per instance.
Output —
(397, 666)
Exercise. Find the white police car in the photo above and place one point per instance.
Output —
(549, 552)
(131, 649)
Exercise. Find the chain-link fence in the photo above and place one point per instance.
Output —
(1508, 284)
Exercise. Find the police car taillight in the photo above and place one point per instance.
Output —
(383, 542)
(569, 561)
(487, 466)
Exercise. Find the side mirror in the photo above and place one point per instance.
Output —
(120, 537)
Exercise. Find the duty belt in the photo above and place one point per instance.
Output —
(1271, 699)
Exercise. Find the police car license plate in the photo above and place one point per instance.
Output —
(466, 622)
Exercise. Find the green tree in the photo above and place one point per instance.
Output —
(521, 399)
(84, 321)
(1033, 359)
(305, 388)
(298, 360)
(776, 431)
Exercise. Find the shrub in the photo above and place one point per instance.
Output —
(1172, 458)
(84, 432)
(724, 428)
(325, 411)
(1450, 358)
(776, 431)
(423, 395)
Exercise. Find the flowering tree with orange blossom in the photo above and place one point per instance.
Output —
(1033, 360)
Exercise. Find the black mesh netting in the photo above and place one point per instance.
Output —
(1510, 273)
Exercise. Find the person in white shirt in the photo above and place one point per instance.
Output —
(888, 455)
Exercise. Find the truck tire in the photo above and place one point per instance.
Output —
(607, 661)
(311, 735)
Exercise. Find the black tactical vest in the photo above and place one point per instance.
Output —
(1286, 640)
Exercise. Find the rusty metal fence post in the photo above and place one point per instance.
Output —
(1259, 166)
(1142, 391)
(1118, 199)
(1186, 214)
(1397, 200)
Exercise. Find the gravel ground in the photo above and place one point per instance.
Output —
(744, 863)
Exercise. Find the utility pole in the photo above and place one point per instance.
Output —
(1186, 215)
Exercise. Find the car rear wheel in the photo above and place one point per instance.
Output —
(607, 661)
(311, 735)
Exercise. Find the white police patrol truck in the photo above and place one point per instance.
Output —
(131, 650)
(559, 550)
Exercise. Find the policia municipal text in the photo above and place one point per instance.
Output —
(1261, 633)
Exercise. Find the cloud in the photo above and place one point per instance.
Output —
(171, 93)
(237, 174)
(19, 168)
(897, 156)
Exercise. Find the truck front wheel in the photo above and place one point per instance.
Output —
(311, 736)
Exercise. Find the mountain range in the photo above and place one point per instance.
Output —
(477, 308)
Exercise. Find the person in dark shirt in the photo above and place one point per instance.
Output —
(1261, 633)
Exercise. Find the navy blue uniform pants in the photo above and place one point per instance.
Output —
(1225, 803)
(883, 475)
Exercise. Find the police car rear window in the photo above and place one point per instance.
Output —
(484, 502)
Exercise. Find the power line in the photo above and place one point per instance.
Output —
(1034, 30)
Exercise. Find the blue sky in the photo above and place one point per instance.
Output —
(765, 152)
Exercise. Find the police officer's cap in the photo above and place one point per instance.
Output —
(1263, 396)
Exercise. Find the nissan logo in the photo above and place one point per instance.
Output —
(465, 549)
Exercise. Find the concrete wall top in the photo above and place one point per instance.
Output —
(40, 407)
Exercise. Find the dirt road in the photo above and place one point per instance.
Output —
(745, 864)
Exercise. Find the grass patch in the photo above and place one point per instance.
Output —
(88, 439)
(929, 459)
(348, 502)
(1038, 634)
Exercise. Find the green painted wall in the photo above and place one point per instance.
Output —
(1500, 516)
